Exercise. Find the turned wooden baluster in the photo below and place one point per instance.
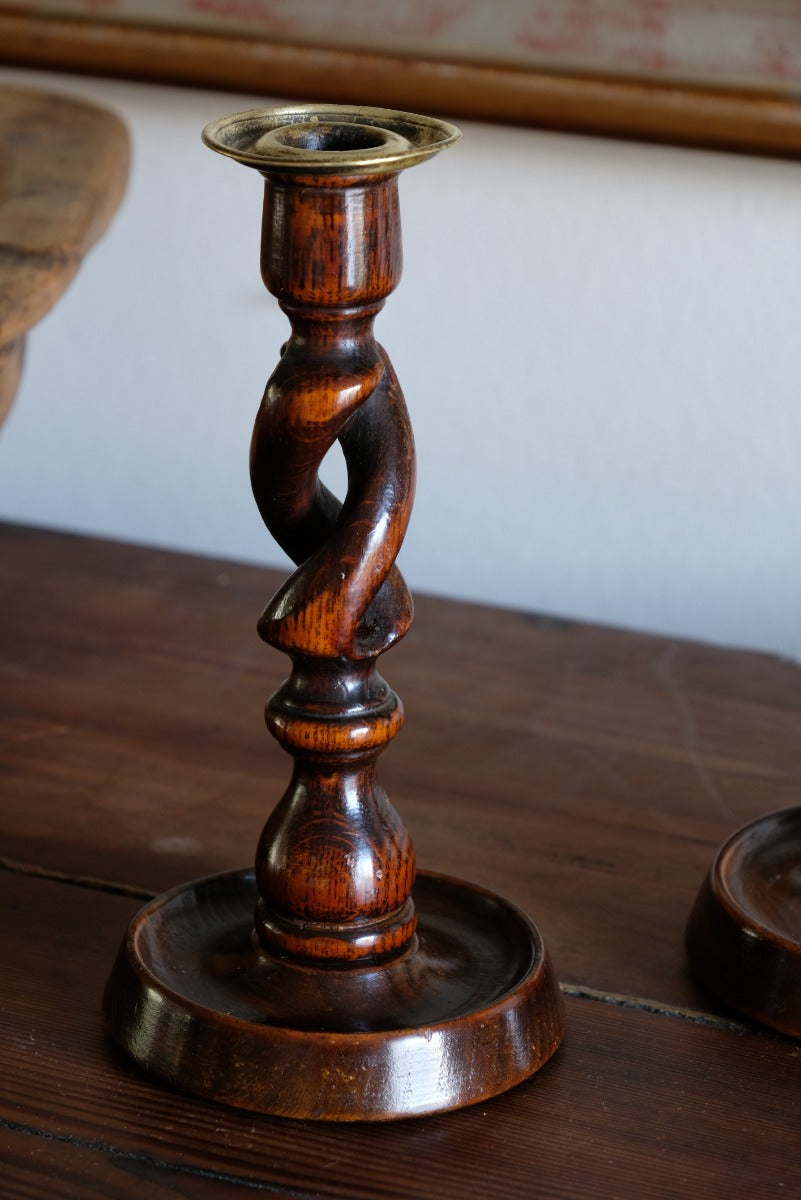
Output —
(335, 865)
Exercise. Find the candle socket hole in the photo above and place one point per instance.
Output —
(316, 137)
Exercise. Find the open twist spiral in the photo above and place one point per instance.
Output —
(335, 864)
(346, 599)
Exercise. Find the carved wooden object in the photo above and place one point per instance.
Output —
(353, 992)
(63, 169)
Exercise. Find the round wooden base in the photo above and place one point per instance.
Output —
(469, 1010)
(744, 933)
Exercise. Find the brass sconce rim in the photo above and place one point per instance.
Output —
(329, 139)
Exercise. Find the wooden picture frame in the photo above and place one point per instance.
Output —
(725, 75)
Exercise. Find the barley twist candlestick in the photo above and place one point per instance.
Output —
(335, 865)
(325, 984)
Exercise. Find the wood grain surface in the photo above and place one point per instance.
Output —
(728, 118)
(335, 864)
(586, 773)
(63, 169)
(333, 982)
(634, 1101)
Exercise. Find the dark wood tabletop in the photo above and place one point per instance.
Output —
(586, 773)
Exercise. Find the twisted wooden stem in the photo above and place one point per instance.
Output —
(334, 865)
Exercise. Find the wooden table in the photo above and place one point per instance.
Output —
(587, 773)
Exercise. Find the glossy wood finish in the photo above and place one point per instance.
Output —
(744, 932)
(63, 169)
(635, 1103)
(324, 986)
(717, 118)
(615, 762)
(200, 1003)
(592, 787)
(335, 864)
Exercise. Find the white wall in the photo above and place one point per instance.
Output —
(599, 343)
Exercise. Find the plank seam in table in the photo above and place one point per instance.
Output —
(576, 990)
(101, 1147)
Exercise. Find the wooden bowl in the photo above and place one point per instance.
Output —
(744, 933)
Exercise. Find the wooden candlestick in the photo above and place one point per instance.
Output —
(743, 935)
(354, 992)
